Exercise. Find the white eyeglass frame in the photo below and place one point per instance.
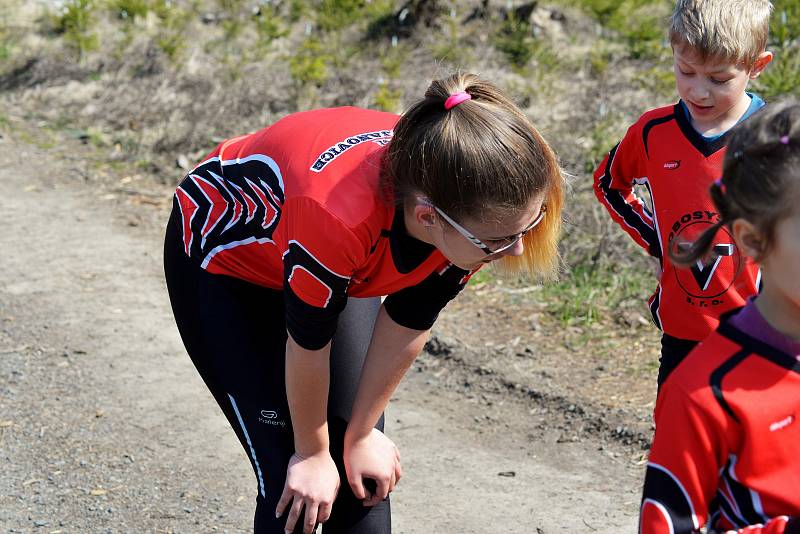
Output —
(480, 244)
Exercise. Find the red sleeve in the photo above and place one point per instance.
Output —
(688, 451)
(613, 185)
(319, 256)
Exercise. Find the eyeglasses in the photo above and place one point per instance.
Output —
(507, 242)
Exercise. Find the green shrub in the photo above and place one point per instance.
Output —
(387, 99)
(601, 10)
(173, 20)
(515, 40)
(309, 64)
(297, 10)
(658, 80)
(164, 9)
(6, 43)
(333, 15)
(172, 44)
(644, 34)
(448, 49)
(74, 23)
(641, 24)
(393, 60)
(599, 59)
(130, 9)
(378, 9)
(785, 24)
(782, 76)
(269, 26)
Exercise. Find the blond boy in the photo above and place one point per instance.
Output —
(676, 152)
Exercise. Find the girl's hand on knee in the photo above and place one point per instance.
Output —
(311, 483)
(372, 457)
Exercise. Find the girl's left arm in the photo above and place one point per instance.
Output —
(368, 453)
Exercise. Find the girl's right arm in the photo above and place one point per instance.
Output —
(312, 479)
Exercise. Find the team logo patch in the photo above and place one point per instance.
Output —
(706, 281)
(672, 165)
(381, 138)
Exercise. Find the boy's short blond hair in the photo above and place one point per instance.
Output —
(726, 31)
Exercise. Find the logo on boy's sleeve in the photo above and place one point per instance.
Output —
(706, 281)
(781, 424)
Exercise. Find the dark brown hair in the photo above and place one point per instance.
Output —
(481, 158)
(760, 177)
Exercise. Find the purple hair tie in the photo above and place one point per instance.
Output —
(718, 183)
(785, 140)
(456, 98)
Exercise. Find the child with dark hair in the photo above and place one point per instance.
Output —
(726, 452)
(280, 244)
(676, 152)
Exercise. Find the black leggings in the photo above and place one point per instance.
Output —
(235, 334)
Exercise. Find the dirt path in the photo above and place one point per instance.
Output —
(105, 427)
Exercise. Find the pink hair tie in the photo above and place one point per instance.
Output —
(456, 98)
(784, 139)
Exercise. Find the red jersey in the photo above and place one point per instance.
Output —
(298, 206)
(664, 153)
(726, 451)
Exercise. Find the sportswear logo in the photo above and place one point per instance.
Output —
(672, 165)
(270, 417)
(783, 423)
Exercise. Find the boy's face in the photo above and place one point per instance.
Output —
(714, 91)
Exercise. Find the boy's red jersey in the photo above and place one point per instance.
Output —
(726, 452)
(298, 206)
(666, 155)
